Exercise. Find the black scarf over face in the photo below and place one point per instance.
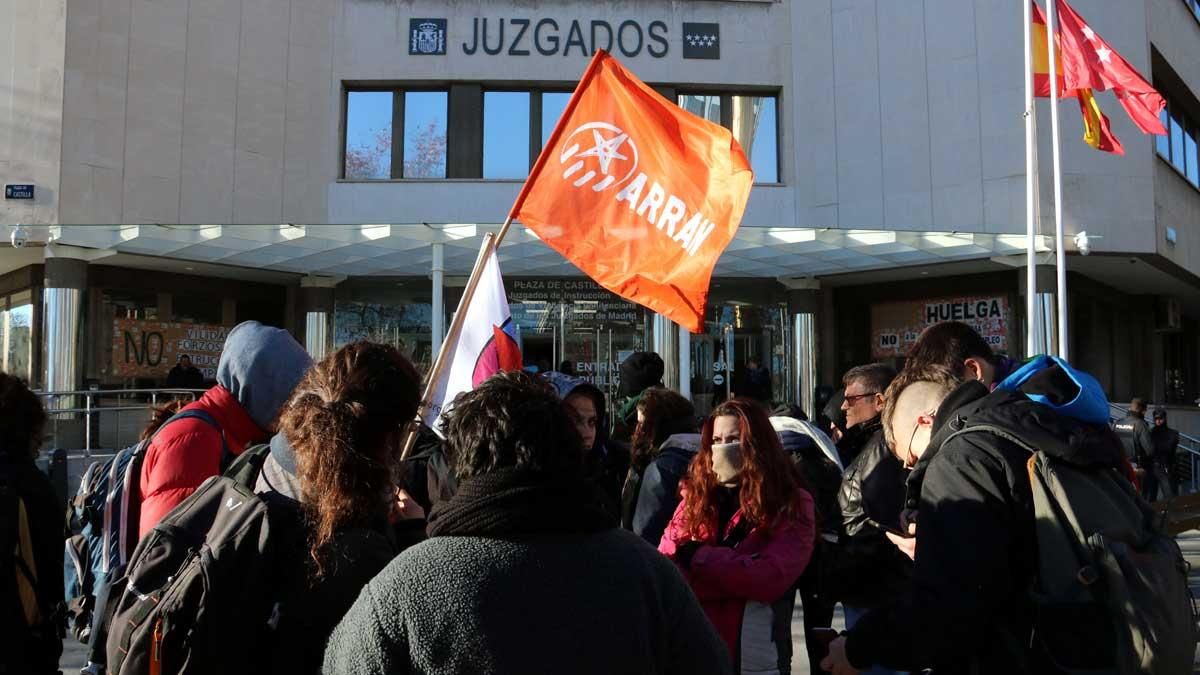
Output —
(509, 503)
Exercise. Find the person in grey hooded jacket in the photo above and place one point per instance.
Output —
(259, 368)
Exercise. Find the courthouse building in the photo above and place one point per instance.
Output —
(331, 166)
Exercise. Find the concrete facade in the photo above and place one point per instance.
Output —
(32, 36)
(899, 116)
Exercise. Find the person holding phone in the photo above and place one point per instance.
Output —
(743, 534)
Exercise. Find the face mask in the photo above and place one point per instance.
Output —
(727, 462)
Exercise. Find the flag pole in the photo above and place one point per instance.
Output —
(492, 242)
(1059, 249)
(439, 364)
(1030, 183)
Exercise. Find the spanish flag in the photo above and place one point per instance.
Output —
(638, 193)
(1087, 63)
(1096, 130)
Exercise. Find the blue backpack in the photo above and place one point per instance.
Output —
(106, 508)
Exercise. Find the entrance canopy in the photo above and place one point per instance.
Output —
(395, 250)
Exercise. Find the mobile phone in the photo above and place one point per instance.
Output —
(825, 635)
(893, 530)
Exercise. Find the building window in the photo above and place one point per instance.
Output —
(371, 144)
(753, 121)
(506, 134)
(1179, 146)
(754, 128)
(369, 135)
(424, 134)
(402, 133)
(707, 106)
(1193, 5)
(553, 105)
(16, 335)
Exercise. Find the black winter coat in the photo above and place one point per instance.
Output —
(969, 609)
(39, 653)
(865, 569)
(857, 438)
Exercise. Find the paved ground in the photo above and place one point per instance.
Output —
(73, 652)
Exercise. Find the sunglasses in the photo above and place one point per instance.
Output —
(852, 400)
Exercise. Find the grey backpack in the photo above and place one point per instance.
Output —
(1112, 592)
(198, 593)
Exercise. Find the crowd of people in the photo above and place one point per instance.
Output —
(539, 531)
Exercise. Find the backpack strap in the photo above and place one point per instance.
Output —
(26, 569)
(195, 413)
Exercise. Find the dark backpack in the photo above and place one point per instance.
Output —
(106, 509)
(202, 586)
(1111, 592)
(194, 598)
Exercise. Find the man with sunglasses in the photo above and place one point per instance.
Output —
(864, 570)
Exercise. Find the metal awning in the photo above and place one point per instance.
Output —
(405, 249)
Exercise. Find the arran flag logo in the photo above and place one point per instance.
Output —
(612, 149)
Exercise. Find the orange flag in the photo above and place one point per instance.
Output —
(639, 194)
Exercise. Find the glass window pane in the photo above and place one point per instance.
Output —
(754, 129)
(1163, 143)
(18, 334)
(553, 105)
(505, 134)
(425, 134)
(1177, 141)
(1189, 154)
(702, 105)
(369, 135)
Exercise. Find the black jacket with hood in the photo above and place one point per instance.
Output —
(968, 609)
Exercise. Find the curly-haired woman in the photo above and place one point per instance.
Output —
(743, 534)
(343, 426)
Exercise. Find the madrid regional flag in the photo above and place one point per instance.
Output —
(485, 345)
(638, 193)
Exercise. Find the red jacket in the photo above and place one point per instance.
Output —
(187, 452)
(736, 586)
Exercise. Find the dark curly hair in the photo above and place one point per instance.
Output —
(345, 421)
(22, 419)
(664, 413)
(511, 420)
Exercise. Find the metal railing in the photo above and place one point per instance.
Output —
(90, 410)
(1187, 462)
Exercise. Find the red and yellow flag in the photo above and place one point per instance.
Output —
(638, 193)
(1087, 63)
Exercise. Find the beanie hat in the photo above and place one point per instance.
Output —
(640, 371)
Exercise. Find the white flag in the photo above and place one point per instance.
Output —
(487, 343)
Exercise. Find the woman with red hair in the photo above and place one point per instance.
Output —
(743, 534)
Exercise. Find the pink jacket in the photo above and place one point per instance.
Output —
(737, 585)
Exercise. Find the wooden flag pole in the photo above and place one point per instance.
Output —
(490, 242)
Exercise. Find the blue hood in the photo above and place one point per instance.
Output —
(1053, 382)
(260, 366)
